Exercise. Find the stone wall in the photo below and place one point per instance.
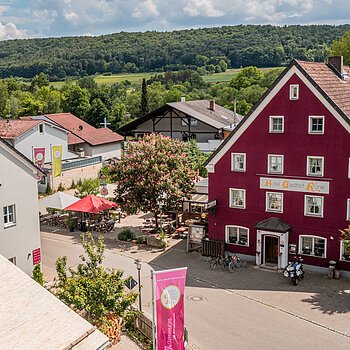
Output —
(67, 176)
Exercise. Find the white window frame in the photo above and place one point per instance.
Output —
(292, 88)
(313, 246)
(311, 117)
(269, 164)
(41, 126)
(320, 215)
(348, 209)
(227, 227)
(342, 242)
(272, 117)
(10, 223)
(244, 198)
(193, 121)
(233, 162)
(267, 207)
(308, 166)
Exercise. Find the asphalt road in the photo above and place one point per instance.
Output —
(216, 318)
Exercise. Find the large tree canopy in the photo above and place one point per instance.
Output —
(155, 170)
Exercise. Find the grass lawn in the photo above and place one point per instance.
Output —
(137, 77)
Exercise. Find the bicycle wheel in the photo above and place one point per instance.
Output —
(244, 263)
(238, 262)
(224, 266)
(213, 264)
(231, 266)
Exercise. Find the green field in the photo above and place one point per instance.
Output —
(137, 77)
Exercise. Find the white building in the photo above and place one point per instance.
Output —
(86, 139)
(19, 224)
(201, 120)
(25, 135)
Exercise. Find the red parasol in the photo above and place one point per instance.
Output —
(91, 204)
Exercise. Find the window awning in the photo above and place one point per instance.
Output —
(199, 198)
(273, 224)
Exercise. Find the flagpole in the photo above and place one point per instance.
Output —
(153, 312)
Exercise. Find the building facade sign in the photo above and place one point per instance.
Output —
(308, 186)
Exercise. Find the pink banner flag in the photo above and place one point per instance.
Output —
(39, 157)
(169, 308)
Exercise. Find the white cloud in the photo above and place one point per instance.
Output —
(71, 17)
(68, 17)
(145, 9)
(10, 31)
(205, 8)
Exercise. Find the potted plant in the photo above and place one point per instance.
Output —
(346, 253)
(71, 223)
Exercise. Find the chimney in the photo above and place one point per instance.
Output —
(212, 105)
(183, 99)
(336, 64)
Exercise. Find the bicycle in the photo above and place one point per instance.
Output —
(216, 261)
(238, 262)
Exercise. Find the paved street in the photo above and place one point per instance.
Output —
(249, 309)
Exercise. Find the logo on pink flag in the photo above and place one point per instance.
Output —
(39, 157)
(169, 305)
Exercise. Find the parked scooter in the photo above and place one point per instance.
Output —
(295, 270)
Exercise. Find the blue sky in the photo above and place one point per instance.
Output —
(44, 18)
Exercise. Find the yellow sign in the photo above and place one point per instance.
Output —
(295, 185)
(56, 160)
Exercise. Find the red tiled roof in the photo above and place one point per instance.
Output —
(336, 88)
(13, 128)
(82, 131)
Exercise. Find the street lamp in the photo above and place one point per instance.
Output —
(137, 262)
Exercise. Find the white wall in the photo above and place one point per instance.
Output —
(51, 136)
(108, 150)
(19, 187)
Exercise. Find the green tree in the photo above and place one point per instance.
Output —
(30, 106)
(92, 288)
(75, 100)
(13, 107)
(197, 158)
(39, 81)
(341, 47)
(97, 113)
(246, 77)
(144, 98)
(50, 99)
(4, 95)
(223, 65)
(87, 83)
(86, 187)
(154, 169)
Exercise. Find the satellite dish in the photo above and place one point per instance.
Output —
(81, 127)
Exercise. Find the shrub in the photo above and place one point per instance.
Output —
(140, 240)
(126, 235)
(38, 275)
(73, 185)
(48, 190)
(60, 187)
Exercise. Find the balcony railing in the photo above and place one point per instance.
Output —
(81, 163)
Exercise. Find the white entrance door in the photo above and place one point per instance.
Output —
(272, 247)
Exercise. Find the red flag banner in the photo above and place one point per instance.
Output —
(169, 308)
(39, 157)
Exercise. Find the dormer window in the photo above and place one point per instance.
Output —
(41, 128)
(294, 92)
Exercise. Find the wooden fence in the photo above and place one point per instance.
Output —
(211, 247)
(144, 325)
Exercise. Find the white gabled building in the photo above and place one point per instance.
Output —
(19, 221)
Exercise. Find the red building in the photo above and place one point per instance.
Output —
(281, 179)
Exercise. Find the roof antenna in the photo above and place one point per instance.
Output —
(105, 123)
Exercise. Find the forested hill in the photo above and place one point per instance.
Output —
(262, 46)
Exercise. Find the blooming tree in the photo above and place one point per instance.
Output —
(156, 171)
